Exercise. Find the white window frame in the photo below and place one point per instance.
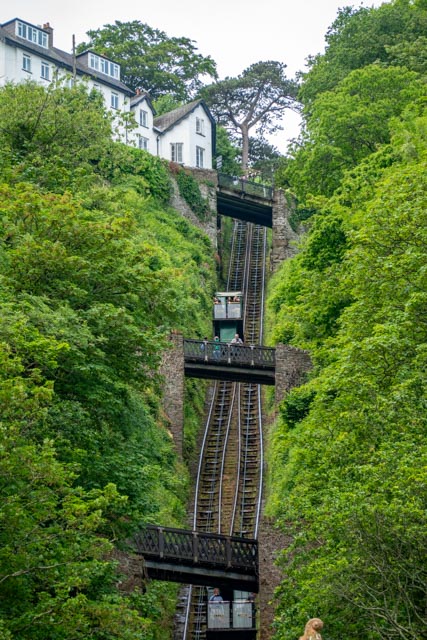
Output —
(200, 126)
(26, 62)
(45, 70)
(104, 66)
(143, 118)
(114, 103)
(177, 149)
(32, 34)
(200, 157)
(143, 143)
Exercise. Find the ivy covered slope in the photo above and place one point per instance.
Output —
(349, 454)
(95, 270)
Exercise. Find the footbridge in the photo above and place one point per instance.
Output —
(231, 362)
(192, 557)
(245, 200)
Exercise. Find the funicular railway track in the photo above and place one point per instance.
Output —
(229, 479)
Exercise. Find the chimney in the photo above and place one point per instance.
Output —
(49, 30)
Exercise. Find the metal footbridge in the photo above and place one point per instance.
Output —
(245, 200)
(198, 558)
(224, 361)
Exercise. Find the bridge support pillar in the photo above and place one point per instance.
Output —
(283, 234)
(172, 369)
(291, 365)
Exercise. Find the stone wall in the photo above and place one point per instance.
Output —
(172, 369)
(207, 180)
(284, 237)
(291, 366)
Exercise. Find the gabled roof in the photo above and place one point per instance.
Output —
(57, 56)
(168, 120)
(140, 97)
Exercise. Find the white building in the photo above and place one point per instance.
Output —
(185, 135)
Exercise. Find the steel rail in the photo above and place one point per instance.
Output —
(243, 274)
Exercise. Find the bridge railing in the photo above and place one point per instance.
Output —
(196, 548)
(243, 186)
(224, 353)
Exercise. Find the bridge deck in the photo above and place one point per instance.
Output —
(192, 557)
(245, 200)
(222, 361)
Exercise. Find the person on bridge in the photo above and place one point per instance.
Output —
(237, 339)
(216, 349)
(216, 596)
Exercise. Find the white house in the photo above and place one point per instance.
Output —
(185, 135)
(27, 53)
(143, 136)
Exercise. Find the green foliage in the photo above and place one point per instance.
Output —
(165, 103)
(364, 36)
(60, 139)
(53, 136)
(348, 124)
(94, 274)
(128, 167)
(55, 579)
(229, 153)
(349, 458)
(189, 190)
(150, 59)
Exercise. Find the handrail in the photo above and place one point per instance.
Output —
(224, 353)
(198, 548)
(246, 187)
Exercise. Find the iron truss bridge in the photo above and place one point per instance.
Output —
(224, 361)
(198, 558)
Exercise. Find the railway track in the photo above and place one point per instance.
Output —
(229, 480)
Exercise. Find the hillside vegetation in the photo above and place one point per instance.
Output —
(95, 270)
(348, 455)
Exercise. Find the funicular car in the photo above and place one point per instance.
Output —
(228, 315)
(235, 614)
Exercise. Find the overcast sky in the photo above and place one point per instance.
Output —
(236, 33)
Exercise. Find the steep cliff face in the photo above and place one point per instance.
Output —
(206, 180)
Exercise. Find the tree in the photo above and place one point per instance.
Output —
(348, 124)
(392, 33)
(256, 98)
(150, 60)
(355, 297)
(55, 135)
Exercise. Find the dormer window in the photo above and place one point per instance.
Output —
(32, 34)
(104, 66)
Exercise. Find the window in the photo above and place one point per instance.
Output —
(200, 126)
(32, 34)
(143, 143)
(104, 66)
(45, 71)
(26, 63)
(114, 100)
(143, 118)
(199, 157)
(176, 151)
